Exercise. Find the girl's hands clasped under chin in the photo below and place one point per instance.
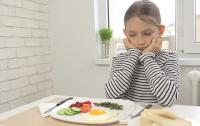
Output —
(154, 47)
(128, 44)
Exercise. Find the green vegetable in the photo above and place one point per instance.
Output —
(109, 105)
(62, 111)
(76, 109)
(69, 111)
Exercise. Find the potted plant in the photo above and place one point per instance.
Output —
(105, 35)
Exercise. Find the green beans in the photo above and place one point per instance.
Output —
(109, 105)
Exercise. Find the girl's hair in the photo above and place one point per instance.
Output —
(145, 10)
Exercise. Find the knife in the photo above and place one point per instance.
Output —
(58, 104)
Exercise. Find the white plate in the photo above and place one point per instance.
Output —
(128, 108)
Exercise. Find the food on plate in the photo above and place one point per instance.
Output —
(69, 111)
(110, 105)
(96, 115)
(84, 106)
(92, 112)
(161, 117)
(76, 108)
(62, 111)
(80, 104)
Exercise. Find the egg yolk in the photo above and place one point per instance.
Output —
(97, 112)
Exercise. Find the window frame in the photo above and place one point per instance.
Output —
(186, 56)
(190, 45)
(101, 21)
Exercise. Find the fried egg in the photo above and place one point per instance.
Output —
(96, 115)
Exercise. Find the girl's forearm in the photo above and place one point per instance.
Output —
(164, 84)
(121, 74)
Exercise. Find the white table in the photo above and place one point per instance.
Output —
(21, 113)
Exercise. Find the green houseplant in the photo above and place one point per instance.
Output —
(105, 35)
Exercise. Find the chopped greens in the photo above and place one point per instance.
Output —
(109, 105)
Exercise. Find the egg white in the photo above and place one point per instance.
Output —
(109, 114)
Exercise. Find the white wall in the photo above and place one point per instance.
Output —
(74, 49)
(25, 66)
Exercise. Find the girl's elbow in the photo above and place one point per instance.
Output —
(169, 102)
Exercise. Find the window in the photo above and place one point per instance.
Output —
(117, 11)
(198, 21)
(181, 18)
(191, 25)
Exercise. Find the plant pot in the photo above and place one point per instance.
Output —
(106, 50)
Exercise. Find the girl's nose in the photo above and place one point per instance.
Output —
(140, 41)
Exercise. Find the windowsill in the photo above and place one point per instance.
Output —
(183, 62)
(189, 61)
(102, 62)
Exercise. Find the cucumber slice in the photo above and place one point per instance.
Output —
(69, 112)
(62, 111)
(76, 109)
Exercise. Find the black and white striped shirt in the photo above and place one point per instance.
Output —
(145, 78)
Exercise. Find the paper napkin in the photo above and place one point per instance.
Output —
(45, 106)
(124, 117)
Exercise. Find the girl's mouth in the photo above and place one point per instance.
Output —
(141, 48)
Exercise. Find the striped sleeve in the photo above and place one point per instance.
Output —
(121, 72)
(164, 82)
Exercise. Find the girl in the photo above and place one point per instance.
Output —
(145, 73)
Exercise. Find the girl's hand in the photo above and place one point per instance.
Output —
(128, 44)
(154, 47)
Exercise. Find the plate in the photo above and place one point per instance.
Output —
(129, 107)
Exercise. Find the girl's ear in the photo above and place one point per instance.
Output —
(161, 29)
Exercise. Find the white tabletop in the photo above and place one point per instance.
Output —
(28, 106)
(192, 112)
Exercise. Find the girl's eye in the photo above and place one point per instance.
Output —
(132, 35)
(148, 33)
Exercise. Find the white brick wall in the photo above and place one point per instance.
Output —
(9, 95)
(17, 3)
(4, 107)
(13, 42)
(25, 66)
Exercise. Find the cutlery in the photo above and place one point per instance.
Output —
(58, 104)
(138, 114)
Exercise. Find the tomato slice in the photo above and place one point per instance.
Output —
(85, 108)
(87, 102)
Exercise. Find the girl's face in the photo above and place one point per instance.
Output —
(140, 33)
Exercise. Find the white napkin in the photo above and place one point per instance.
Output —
(124, 117)
(45, 106)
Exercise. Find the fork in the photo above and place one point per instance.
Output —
(138, 114)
